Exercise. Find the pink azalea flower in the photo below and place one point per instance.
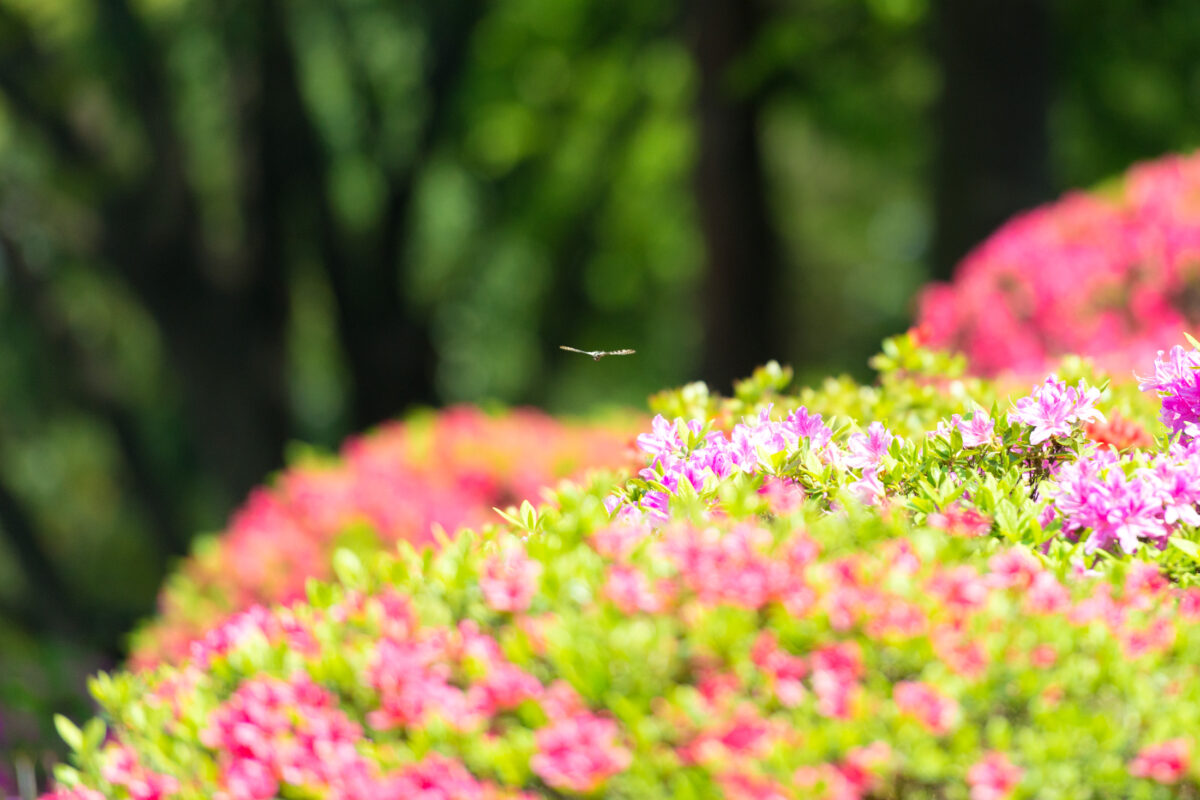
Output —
(1165, 762)
(936, 712)
(977, 431)
(1054, 408)
(632, 592)
(75, 793)
(994, 777)
(121, 768)
(868, 489)
(579, 753)
(509, 580)
(740, 786)
(866, 450)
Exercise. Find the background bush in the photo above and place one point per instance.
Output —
(412, 481)
(1112, 275)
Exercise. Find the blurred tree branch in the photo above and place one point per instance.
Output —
(390, 352)
(21, 64)
(84, 387)
(55, 607)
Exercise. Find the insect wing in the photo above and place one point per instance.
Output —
(597, 354)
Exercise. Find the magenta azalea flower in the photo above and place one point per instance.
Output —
(868, 449)
(1053, 408)
(1177, 364)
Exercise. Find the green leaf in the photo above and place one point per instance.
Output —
(69, 732)
(529, 516)
(319, 593)
(1187, 546)
(349, 569)
(93, 734)
(65, 775)
(510, 518)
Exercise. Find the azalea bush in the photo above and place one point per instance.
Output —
(403, 481)
(447, 470)
(782, 602)
(1111, 274)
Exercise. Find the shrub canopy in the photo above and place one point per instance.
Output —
(777, 605)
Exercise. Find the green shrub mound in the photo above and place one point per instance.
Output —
(779, 605)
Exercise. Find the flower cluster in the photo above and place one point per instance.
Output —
(1176, 380)
(1125, 505)
(804, 456)
(1167, 762)
(682, 452)
(1055, 409)
(1109, 275)
(1114, 498)
(273, 732)
(684, 455)
(399, 483)
(1113, 501)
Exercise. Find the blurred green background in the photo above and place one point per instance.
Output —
(226, 225)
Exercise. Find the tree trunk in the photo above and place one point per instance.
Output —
(993, 148)
(743, 277)
(224, 329)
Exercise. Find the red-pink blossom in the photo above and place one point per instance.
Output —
(619, 540)
(1047, 595)
(829, 778)
(632, 592)
(748, 735)
(960, 589)
(784, 669)
(413, 681)
(1013, 569)
(560, 701)
(964, 655)
(1043, 656)
(272, 732)
(1101, 275)
(862, 766)
(836, 670)
(936, 712)
(740, 786)
(434, 778)
(121, 768)
(509, 580)
(994, 777)
(958, 520)
(1165, 762)
(579, 753)
(726, 567)
(75, 793)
